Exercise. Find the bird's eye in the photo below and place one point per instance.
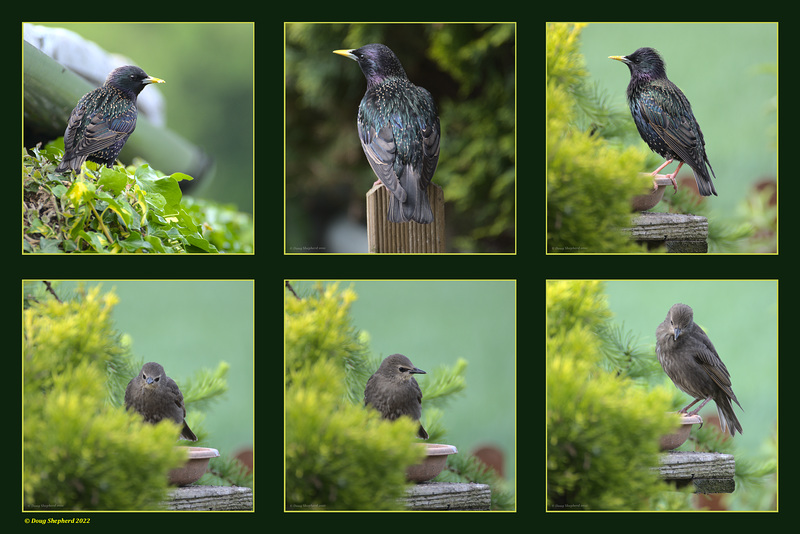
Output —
(404, 369)
(144, 376)
(158, 378)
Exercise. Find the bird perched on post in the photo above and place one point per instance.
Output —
(156, 396)
(103, 120)
(399, 131)
(394, 392)
(692, 363)
(664, 118)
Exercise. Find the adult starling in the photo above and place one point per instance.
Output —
(393, 391)
(692, 363)
(104, 119)
(156, 396)
(399, 131)
(664, 118)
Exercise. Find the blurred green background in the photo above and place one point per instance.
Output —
(729, 74)
(740, 318)
(209, 71)
(435, 323)
(470, 69)
(187, 325)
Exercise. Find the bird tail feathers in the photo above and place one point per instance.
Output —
(416, 207)
(704, 184)
(727, 418)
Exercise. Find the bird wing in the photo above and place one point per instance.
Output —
(75, 119)
(100, 132)
(430, 152)
(429, 125)
(381, 150)
(706, 355)
(177, 395)
(659, 108)
(129, 394)
(368, 388)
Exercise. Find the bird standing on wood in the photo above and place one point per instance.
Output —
(394, 392)
(692, 363)
(399, 130)
(156, 396)
(103, 120)
(664, 118)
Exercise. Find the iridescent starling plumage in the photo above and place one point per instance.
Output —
(664, 117)
(103, 120)
(399, 131)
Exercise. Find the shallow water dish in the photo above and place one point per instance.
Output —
(195, 466)
(677, 438)
(433, 463)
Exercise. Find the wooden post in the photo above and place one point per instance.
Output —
(409, 237)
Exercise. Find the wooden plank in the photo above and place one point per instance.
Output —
(448, 496)
(211, 498)
(710, 472)
(679, 232)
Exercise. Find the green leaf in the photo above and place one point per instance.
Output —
(178, 176)
(112, 181)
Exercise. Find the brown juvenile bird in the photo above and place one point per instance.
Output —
(393, 391)
(156, 396)
(692, 363)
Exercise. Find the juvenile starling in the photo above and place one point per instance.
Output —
(393, 391)
(664, 118)
(399, 131)
(156, 396)
(104, 119)
(692, 363)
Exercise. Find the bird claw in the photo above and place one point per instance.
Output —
(674, 182)
(670, 177)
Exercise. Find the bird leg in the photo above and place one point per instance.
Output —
(683, 410)
(655, 172)
(656, 175)
(673, 175)
(670, 176)
(699, 407)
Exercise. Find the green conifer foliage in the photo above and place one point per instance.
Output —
(80, 451)
(603, 428)
(590, 182)
(339, 455)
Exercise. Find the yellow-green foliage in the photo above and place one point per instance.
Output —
(589, 183)
(602, 429)
(317, 327)
(81, 453)
(339, 455)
